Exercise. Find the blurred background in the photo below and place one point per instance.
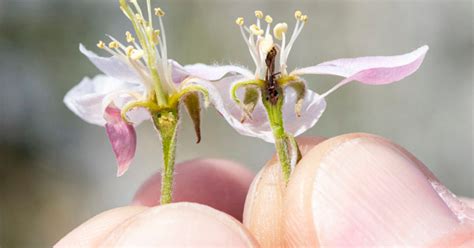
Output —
(56, 170)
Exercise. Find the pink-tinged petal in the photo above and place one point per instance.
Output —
(370, 70)
(112, 66)
(90, 98)
(258, 126)
(215, 72)
(178, 72)
(122, 136)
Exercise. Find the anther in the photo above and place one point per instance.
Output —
(256, 30)
(136, 54)
(159, 12)
(114, 45)
(129, 51)
(298, 15)
(239, 21)
(101, 44)
(139, 18)
(268, 19)
(279, 29)
(304, 18)
(129, 37)
(259, 14)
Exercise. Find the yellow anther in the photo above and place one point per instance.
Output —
(159, 12)
(139, 18)
(129, 37)
(279, 29)
(304, 18)
(129, 51)
(259, 14)
(256, 30)
(268, 19)
(136, 54)
(298, 14)
(101, 44)
(114, 45)
(239, 21)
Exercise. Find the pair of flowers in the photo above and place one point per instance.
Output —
(141, 83)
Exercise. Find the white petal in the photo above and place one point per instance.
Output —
(215, 72)
(371, 70)
(259, 126)
(90, 98)
(313, 108)
(112, 66)
(178, 72)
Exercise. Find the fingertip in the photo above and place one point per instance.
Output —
(181, 225)
(93, 231)
(264, 203)
(360, 189)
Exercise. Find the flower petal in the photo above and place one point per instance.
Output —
(215, 72)
(370, 70)
(112, 66)
(91, 97)
(178, 72)
(258, 126)
(122, 136)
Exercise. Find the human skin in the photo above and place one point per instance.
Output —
(354, 189)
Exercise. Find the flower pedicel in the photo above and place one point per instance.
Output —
(264, 100)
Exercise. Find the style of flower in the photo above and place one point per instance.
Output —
(264, 98)
(140, 83)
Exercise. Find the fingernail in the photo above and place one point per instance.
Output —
(181, 225)
(367, 192)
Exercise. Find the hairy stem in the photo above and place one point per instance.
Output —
(275, 117)
(167, 124)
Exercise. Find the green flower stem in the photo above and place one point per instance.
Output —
(167, 124)
(275, 117)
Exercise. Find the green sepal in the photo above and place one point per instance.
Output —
(295, 153)
(251, 93)
(193, 107)
(300, 88)
(251, 98)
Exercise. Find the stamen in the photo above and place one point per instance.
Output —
(139, 19)
(101, 44)
(129, 37)
(136, 54)
(268, 19)
(279, 29)
(129, 50)
(298, 15)
(256, 30)
(239, 21)
(259, 14)
(114, 45)
(159, 12)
